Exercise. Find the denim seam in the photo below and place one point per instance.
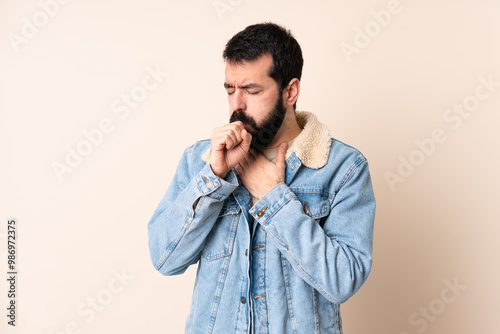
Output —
(288, 294)
(338, 321)
(229, 250)
(264, 280)
(276, 210)
(174, 244)
(312, 279)
(316, 312)
(322, 192)
(219, 184)
(217, 297)
(321, 214)
(239, 309)
(290, 254)
(349, 173)
(324, 211)
(213, 195)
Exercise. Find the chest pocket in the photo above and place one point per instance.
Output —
(220, 240)
(315, 204)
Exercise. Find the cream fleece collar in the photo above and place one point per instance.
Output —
(312, 145)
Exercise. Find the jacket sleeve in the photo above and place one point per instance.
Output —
(178, 229)
(334, 259)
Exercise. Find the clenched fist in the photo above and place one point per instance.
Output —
(229, 143)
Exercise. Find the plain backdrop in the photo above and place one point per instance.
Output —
(414, 85)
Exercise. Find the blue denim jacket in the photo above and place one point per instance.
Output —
(308, 250)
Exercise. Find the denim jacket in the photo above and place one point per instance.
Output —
(308, 249)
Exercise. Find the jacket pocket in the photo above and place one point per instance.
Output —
(315, 203)
(220, 240)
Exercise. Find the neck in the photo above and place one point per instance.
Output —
(289, 129)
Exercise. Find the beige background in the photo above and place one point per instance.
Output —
(437, 224)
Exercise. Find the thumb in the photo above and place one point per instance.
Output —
(280, 154)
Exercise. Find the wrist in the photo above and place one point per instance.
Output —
(218, 173)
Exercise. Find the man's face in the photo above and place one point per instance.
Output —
(255, 99)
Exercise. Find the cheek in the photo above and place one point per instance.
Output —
(262, 106)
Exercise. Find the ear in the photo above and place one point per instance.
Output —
(292, 92)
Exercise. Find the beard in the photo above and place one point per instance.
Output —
(264, 134)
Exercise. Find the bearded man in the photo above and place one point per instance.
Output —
(277, 214)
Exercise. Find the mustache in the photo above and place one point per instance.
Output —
(239, 115)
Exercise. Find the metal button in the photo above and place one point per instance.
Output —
(209, 184)
(260, 213)
(258, 296)
(243, 300)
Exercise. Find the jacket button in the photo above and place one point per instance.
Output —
(210, 184)
(260, 213)
(243, 300)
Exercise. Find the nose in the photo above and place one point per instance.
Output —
(237, 100)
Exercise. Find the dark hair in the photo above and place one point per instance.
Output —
(268, 38)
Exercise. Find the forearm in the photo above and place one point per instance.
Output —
(179, 226)
(334, 258)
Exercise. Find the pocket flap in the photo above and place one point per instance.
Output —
(315, 204)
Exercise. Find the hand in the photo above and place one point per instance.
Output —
(258, 174)
(229, 144)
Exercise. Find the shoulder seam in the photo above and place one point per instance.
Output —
(360, 160)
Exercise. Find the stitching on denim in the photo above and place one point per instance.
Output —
(349, 173)
(239, 306)
(229, 207)
(324, 210)
(316, 311)
(213, 195)
(284, 245)
(322, 192)
(173, 244)
(276, 210)
(229, 250)
(312, 279)
(338, 320)
(229, 211)
(217, 297)
(288, 294)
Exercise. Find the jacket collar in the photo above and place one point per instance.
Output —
(311, 146)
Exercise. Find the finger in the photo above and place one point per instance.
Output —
(280, 155)
(236, 132)
(229, 141)
(236, 136)
(218, 139)
(238, 125)
(246, 140)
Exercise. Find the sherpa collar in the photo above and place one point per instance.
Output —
(311, 146)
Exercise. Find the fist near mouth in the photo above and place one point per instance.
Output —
(229, 145)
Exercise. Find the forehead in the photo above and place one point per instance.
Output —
(249, 71)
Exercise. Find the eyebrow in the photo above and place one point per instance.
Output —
(245, 86)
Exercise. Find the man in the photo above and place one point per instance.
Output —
(278, 215)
